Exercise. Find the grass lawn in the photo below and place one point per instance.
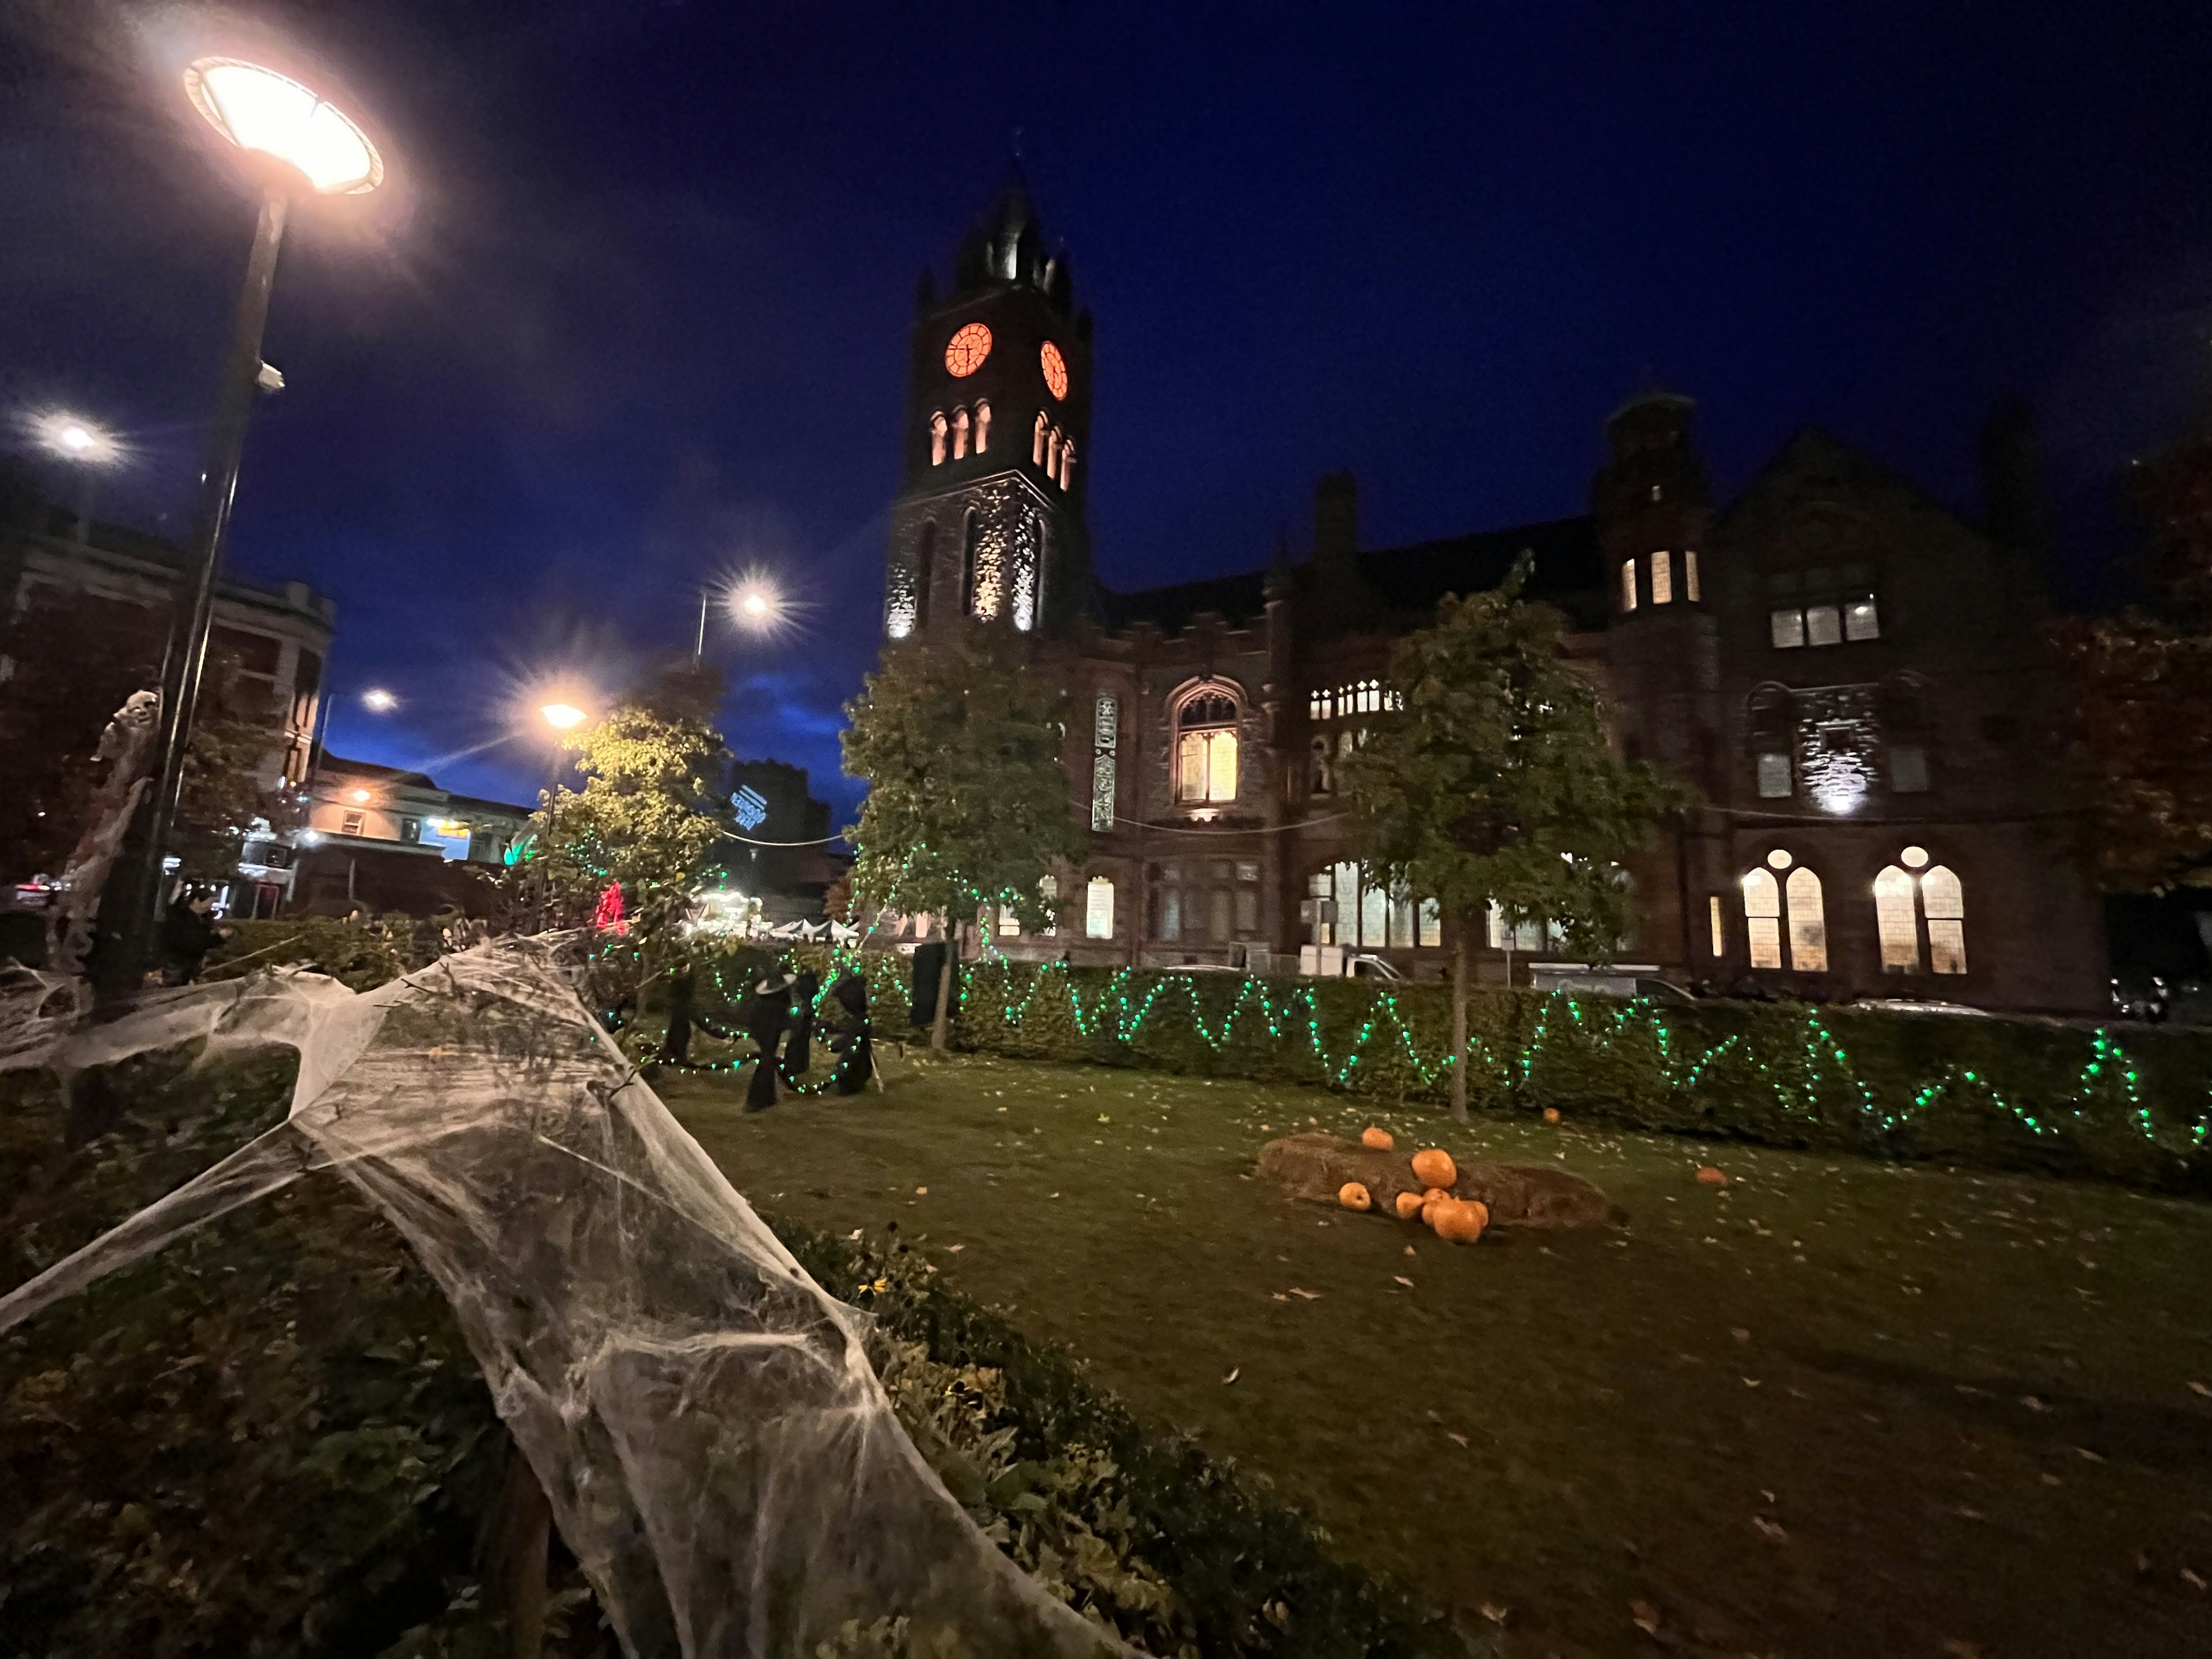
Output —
(1833, 1407)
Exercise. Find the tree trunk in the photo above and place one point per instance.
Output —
(1459, 1021)
(940, 1025)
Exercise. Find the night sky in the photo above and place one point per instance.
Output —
(633, 309)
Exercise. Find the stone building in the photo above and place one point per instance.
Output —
(1848, 670)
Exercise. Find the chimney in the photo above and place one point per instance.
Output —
(1336, 518)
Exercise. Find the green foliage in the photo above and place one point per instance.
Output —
(968, 802)
(1173, 1549)
(649, 813)
(1496, 781)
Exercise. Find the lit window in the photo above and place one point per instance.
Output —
(1860, 622)
(1527, 937)
(1628, 584)
(1663, 577)
(1052, 454)
(936, 430)
(982, 427)
(959, 434)
(1944, 903)
(1762, 918)
(1787, 628)
(352, 823)
(1010, 924)
(1908, 769)
(1808, 924)
(1206, 751)
(1713, 922)
(1690, 575)
(1098, 908)
(1431, 925)
(1172, 913)
(1774, 774)
(1036, 444)
(1068, 463)
(1401, 918)
(1823, 625)
(1105, 745)
(1321, 908)
(1895, 920)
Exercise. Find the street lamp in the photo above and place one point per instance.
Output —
(378, 701)
(562, 717)
(300, 144)
(754, 603)
(85, 444)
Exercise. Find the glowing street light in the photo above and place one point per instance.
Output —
(754, 603)
(564, 716)
(378, 701)
(73, 438)
(302, 146)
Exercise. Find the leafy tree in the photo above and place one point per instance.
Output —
(650, 810)
(1496, 781)
(968, 802)
(2142, 683)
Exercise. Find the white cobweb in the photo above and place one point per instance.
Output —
(714, 1444)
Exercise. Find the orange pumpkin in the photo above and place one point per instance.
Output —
(1430, 1199)
(1433, 1167)
(1709, 1177)
(1409, 1205)
(1354, 1196)
(1550, 1115)
(1376, 1139)
(1458, 1222)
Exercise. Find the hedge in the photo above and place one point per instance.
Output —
(2000, 1094)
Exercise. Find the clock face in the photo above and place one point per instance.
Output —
(968, 348)
(1055, 369)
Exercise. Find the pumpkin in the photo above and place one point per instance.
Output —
(1354, 1196)
(1376, 1139)
(1457, 1221)
(1433, 1167)
(1409, 1205)
(1550, 1115)
(1430, 1199)
(1709, 1177)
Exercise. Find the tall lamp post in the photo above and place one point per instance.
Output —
(297, 144)
(562, 717)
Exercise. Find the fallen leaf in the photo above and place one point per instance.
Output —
(1310, 1296)
(1770, 1529)
(2089, 1455)
(1645, 1616)
(1232, 1378)
(2033, 1403)
(920, 1192)
(1403, 1279)
(1278, 1296)
(2195, 1580)
(1740, 1335)
(1750, 1381)
(1495, 1613)
(856, 1233)
(2200, 1387)
(1456, 1439)
(1409, 1249)
(956, 1248)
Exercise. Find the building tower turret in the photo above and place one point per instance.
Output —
(988, 522)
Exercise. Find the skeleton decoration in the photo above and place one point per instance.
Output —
(702, 1416)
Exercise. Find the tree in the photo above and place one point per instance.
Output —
(1494, 781)
(650, 810)
(967, 803)
(2141, 755)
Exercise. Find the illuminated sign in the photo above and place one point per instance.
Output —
(751, 807)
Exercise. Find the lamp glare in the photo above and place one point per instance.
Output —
(258, 109)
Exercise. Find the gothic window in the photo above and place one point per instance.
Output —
(1897, 922)
(1037, 443)
(959, 435)
(1762, 918)
(1773, 723)
(1068, 463)
(1690, 574)
(1765, 902)
(982, 427)
(1808, 923)
(1098, 908)
(936, 430)
(1205, 749)
(1943, 904)
(1105, 745)
(1905, 902)
(1628, 584)
(1663, 577)
(1714, 925)
(1052, 454)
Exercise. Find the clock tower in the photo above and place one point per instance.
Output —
(989, 521)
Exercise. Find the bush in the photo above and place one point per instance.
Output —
(1996, 1093)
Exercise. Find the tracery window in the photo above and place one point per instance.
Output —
(1205, 749)
(1663, 577)
(1767, 903)
(1906, 903)
(1105, 745)
(1360, 697)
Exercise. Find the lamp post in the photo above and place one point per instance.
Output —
(299, 143)
(562, 717)
(754, 603)
(85, 444)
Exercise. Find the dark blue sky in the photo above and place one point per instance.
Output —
(634, 310)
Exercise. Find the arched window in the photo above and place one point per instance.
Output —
(1663, 577)
(1762, 918)
(982, 427)
(1066, 462)
(959, 434)
(936, 429)
(1808, 923)
(1895, 919)
(1205, 749)
(1943, 902)
(1036, 442)
(1690, 574)
(1628, 584)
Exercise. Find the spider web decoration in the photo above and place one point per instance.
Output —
(702, 1416)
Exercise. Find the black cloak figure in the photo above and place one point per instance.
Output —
(799, 1053)
(856, 1055)
(187, 935)
(764, 1022)
(928, 963)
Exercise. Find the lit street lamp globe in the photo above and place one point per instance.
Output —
(562, 716)
(272, 114)
(75, 439)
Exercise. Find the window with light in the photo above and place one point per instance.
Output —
(1206, 751)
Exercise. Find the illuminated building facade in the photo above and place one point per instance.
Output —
(1851, 673)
